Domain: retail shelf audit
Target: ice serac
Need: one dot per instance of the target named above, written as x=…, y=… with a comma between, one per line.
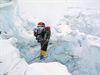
x=49, y=11
x=12, y=64
x=85, y=6
x=4, y=3
x=6, y=17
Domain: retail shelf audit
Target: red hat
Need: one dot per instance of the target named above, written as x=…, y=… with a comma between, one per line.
x=41, y=24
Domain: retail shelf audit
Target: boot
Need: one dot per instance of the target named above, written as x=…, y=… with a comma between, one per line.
x=43, y=54
x=41, y=57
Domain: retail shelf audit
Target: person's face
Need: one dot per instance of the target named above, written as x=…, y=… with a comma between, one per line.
x=40, y=29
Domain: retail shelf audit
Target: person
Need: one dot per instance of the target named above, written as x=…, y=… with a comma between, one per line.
x=42, y=34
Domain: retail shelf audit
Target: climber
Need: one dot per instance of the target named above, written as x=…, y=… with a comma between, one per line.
x=42, y=34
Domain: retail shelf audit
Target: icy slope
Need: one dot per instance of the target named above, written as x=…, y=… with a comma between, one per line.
x=72, y=48
x=12, y=64
x=88, y=24
x=79, y=51
x=11, y=25
x=71, y=42
x=49, y=11
x=10, y=59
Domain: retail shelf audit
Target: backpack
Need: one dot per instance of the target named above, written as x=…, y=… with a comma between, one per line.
x=48, y=30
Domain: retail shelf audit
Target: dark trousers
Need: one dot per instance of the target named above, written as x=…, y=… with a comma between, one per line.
x=44, y=45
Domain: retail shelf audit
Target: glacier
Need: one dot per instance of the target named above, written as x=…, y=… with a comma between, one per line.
x=75, y=40
x=12, y=64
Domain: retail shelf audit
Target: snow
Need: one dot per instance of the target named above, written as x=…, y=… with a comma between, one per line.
x=5, y=4
x=44, y=69
x=12, y=64
x=84, y=6
x=63, y=30
x=94, y=4
x=75, y=39
x=41, y=7
x=10, y=57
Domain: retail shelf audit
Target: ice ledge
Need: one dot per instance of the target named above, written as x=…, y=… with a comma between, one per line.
x=6, y=4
